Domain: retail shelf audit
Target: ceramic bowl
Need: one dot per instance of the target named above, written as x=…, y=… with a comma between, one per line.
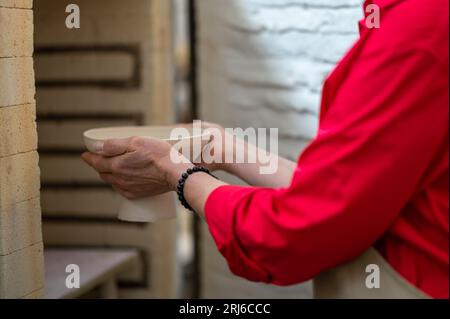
x=151, y=209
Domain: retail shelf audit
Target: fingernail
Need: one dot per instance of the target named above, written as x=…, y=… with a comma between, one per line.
x=98, y=147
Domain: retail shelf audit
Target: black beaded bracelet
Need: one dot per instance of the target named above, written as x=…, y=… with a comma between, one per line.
x=182, y=181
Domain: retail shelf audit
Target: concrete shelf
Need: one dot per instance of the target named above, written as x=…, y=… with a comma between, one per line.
x=98, y=269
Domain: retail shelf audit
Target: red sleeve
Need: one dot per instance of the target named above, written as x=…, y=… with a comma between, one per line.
x=374, y=144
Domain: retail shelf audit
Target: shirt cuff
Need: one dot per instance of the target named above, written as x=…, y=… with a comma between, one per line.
x=222, y=208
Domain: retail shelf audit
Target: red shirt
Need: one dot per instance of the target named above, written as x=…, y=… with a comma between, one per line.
x=376, y=174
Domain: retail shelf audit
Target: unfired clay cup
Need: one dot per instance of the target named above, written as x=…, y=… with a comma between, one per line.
x=151, y=209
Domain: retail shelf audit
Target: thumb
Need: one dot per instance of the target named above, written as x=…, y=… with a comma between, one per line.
x=112, y=147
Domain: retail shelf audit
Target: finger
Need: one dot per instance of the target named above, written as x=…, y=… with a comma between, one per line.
x=85, y=157
x=99, y=163
x=123, y=192
x=109, y=178
x=88, y=158
x=112, y=147
x=120, y=182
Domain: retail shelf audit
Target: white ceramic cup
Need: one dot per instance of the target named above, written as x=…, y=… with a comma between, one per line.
x=151, y=209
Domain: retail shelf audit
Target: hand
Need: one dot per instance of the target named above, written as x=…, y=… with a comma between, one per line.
x=136, y=167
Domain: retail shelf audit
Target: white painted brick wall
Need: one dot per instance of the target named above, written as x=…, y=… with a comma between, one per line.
x=262, y=64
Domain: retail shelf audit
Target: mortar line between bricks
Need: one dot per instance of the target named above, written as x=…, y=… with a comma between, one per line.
x=16, y=105
x=19, y=153
x=16, y=8
x=15, y=57
x=32, y=292
x=26, y=247
x=22, y=201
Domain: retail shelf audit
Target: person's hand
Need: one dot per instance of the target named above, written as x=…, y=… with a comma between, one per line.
x=136, y=167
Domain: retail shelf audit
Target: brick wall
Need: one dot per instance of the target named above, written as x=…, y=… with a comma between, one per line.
x=115, y=70
x=21, y=258
x=262, y=64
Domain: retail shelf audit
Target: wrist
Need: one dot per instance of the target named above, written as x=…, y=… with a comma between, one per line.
x=176, y=173
x=173, y=171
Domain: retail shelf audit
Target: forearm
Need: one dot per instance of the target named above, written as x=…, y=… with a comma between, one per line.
x=197, y=187
x=252, y=172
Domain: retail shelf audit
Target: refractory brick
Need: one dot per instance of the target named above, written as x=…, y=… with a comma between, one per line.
x=17, y=81
x=19, y=179
x=16, y=36
x=68, y=134
x=86, y=66
x=21, y=273
x=91, y=203
x=23, y=4
x=69, y=169
x=20, y=226
x=17, y=129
